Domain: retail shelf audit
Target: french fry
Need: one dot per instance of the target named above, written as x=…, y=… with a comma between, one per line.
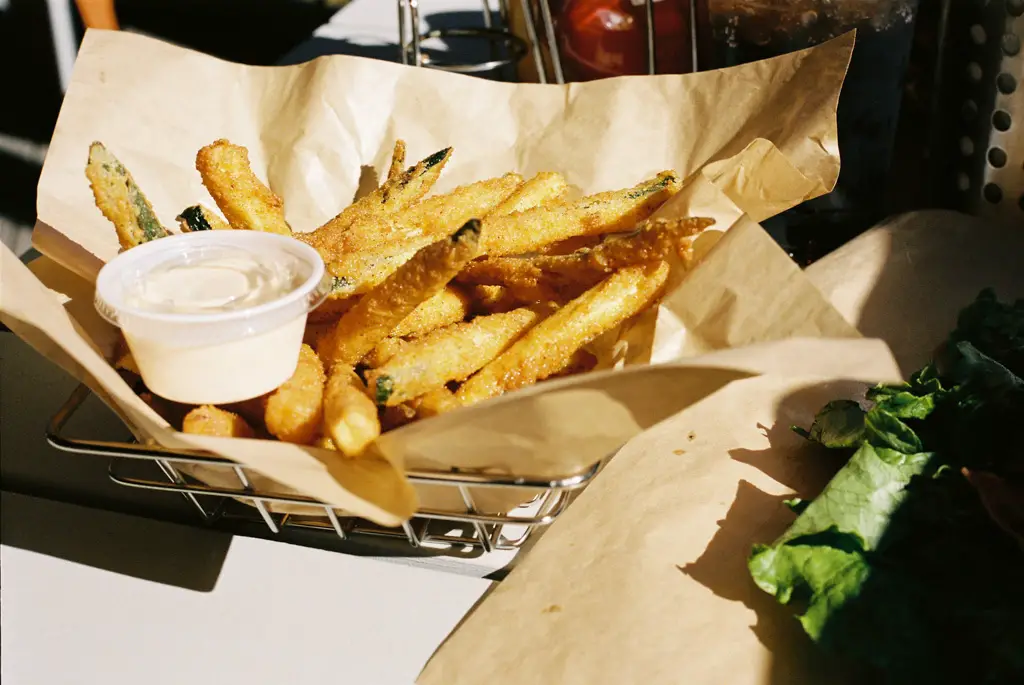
x=397, y=161
x=610, y=212
x=548, y=347
x=200, y=218
x=430, y=218
x=451, y=305
x=294, y=411
x=434, y=403
x=120, y=200
x=211, y=420
x=331, y=308
x=554, y=277
x=245, y=201
x=396, y=416
x=350, y=417
x=544, y=187
x=494, y=299
x=324, y=442
x=384, y=351
x=394, y=195
x=379, y=311
x=448, y=354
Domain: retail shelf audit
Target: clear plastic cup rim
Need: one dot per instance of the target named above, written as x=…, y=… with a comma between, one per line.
x=111, y=303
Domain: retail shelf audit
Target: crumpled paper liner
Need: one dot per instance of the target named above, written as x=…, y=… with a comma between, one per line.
x=750, y=141
x=644, y=579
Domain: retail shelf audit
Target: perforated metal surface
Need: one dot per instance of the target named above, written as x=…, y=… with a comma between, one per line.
x=985, y=39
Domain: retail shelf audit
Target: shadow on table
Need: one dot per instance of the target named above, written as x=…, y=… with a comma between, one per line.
x=171, y=554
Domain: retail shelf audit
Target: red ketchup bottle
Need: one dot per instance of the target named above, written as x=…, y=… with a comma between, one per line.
x=602, y=38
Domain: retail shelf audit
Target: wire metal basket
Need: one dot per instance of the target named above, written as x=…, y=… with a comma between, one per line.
x=437, y=528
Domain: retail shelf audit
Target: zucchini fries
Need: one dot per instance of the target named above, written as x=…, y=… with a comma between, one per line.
x=439, y=300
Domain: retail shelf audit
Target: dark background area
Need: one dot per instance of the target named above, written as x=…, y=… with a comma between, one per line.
x=249, y=31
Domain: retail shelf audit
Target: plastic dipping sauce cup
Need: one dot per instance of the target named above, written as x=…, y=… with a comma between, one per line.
x=213, y=317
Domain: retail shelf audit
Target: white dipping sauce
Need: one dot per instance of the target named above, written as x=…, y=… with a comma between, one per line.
x=213, y=317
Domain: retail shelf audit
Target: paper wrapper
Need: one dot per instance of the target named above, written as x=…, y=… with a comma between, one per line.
x=751, y=141
x=644, y=579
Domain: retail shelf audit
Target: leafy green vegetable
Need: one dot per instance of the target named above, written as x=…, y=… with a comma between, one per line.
x=897, y=564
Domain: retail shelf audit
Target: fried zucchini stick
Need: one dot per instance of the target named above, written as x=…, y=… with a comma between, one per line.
x=294, y=411
x=545, y=277
x=384, y=351
x=431, y=218
x=245, y=201
x=120, y=200
x=350, y=417
x=544, y=187
x=211, y=420
x=435, y=402
x=379, y=311
x=448, y=354
x=394, y=195
x=451, y=305
x=200, y=218
x=397, y=161
x=550, y=346
x=610, y=212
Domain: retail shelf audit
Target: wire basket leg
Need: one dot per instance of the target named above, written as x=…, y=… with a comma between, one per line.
x=260, y=506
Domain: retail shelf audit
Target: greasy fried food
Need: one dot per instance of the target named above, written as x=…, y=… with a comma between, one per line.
x=394, y=195
x=295, y=410
x=200, y=218
x=451, y=305
x=246, y=202
x=119, y=198
x=548, y=347
x=384, y=351
x=554, y=277
x=359, y=272
x=610, y=212
x=397, y=161
x=448, y=354
x=380, y=310
x=211, y=420
x=350, y=417
x=494, y=299
x=396, y=416
x=331, y=308
x=544, y=187
x=437, y=401
x=431, y=218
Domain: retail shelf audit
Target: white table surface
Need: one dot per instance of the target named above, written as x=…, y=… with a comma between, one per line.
x=278, y=614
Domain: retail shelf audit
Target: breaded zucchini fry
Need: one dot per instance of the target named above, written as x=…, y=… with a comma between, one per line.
x=430, y=218
x=332, y=308
x=119, y=198
x=548, y=347
x=610, y=212
x=359, y=272
x=397, y=161
x=435, y=402
x=451, y=305
x=200, y=218
x=379, y=311
x=245, y=201
x=566, y=276
x=448, y=354
x=384, y=351
x=544, y=187
x=350, y=417
x=396, y=416
x=211, y=420
x=394, y=195
x=295, y=410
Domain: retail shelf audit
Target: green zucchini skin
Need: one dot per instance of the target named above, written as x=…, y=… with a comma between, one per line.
x=192, y=219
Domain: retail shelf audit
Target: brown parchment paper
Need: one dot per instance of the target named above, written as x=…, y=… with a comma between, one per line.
x=750, y=141
x=644, y=578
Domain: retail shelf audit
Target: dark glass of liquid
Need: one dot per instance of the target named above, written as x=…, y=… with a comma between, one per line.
x=732, y=32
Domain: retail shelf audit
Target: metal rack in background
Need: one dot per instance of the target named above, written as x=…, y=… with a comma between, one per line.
x=540, y=32
x=431, y=528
